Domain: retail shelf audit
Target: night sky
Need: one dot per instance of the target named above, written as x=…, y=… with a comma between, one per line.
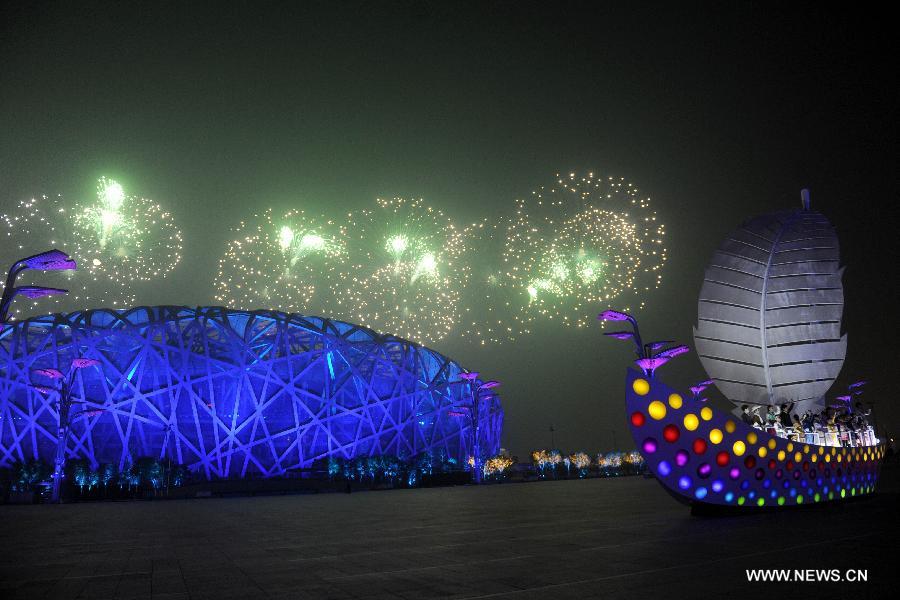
x=719, y=112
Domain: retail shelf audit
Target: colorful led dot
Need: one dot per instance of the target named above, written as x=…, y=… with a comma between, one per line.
x=780, y=500
x=699, y=446
x=816, y=498
x=771, y=443
x=781, y=455
x=664, y=468
x=800, y=499
x=681, y=458
x=798, y=457
x=790, y=447
x=657, y=410
x=738, y=448
x=641, y=387
x=762, y=451
x=729, y=497
x=637, y=419
x=691, y=422
x=741, y=501
x=675, y=401
x=650, y=445
x=700, y=493
x=722, y=458
x=734, y=473
x=730, y=426
x=752, y=437
x=715, y=436
x=717, y=486
x=706, y=413
x=761, y=501
x=805, y=449
x=684, y=482
x=671, y=433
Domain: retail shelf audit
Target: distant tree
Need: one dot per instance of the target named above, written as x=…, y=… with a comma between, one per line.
x=582, y=463
x=108, y=474
x=28, y=474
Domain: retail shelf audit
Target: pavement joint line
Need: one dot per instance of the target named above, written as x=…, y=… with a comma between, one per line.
x=671, y=568
x=431, y=568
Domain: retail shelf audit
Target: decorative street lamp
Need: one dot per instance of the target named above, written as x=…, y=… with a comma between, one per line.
x=52, y=260
x=697, y=389
x=478, y=394
x=63, y=389
x=648, y=359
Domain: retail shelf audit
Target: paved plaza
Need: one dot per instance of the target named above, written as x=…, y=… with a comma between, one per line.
x=609, y=538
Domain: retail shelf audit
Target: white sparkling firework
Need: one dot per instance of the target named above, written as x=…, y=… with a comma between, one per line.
x=579, y=244
x=292, y=262
x=116, y=240
x=489, y=298
x=406, y=273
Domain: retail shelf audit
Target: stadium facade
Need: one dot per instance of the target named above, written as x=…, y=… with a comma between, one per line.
x=232, y=393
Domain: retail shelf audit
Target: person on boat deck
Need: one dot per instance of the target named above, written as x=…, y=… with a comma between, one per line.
x=771, y=418
x=831, y=437
x=797, y=427
x=750, y=416
x=809, y=426
x=784, y=415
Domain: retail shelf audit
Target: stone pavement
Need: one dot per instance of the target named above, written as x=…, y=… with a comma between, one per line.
x=609, y=538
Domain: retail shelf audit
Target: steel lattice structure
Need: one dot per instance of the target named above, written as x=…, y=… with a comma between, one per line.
x=232, y=393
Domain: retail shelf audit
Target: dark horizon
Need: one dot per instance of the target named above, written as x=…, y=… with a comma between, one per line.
x=719, y=113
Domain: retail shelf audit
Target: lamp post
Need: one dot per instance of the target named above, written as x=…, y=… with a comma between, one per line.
x=63, y=390
x=650, y=356
x=52, y=260
x=477, y=394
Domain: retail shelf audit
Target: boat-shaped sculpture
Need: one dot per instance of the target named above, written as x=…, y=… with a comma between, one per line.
x=769, y=336
x=703, y=455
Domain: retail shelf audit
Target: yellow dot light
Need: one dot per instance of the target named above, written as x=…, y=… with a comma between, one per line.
x=706, y=413
x=657, y=410
x=752, y=437
x=730, y=426
x=715, y=436
x=641, y=387
x=781, y=455
x=675, y=401
x=762, y=451
x=738, y=448
x=771, y=444
x=691, y=422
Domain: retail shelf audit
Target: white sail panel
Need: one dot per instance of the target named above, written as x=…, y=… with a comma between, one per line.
x=770, y=308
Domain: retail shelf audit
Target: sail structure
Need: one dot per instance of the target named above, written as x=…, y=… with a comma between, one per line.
x=769, y=313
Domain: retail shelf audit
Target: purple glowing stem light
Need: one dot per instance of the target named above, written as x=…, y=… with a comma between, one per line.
x=50, y=373
x=82, y=363
x=614, y=315
x=620, y=335
x=38, y=291
x=52, y=260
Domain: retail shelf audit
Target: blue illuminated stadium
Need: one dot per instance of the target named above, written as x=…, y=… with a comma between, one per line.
x=232, y=393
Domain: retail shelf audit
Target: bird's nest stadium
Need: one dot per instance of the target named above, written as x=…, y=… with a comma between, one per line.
x=232, y=393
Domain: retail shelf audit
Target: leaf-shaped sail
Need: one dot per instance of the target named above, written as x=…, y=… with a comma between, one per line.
x=769, y=313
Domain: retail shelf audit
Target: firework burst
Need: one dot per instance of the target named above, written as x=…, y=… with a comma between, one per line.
x=406, y=272
x=117, y=240
x=579, y=244
x=291, y=262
